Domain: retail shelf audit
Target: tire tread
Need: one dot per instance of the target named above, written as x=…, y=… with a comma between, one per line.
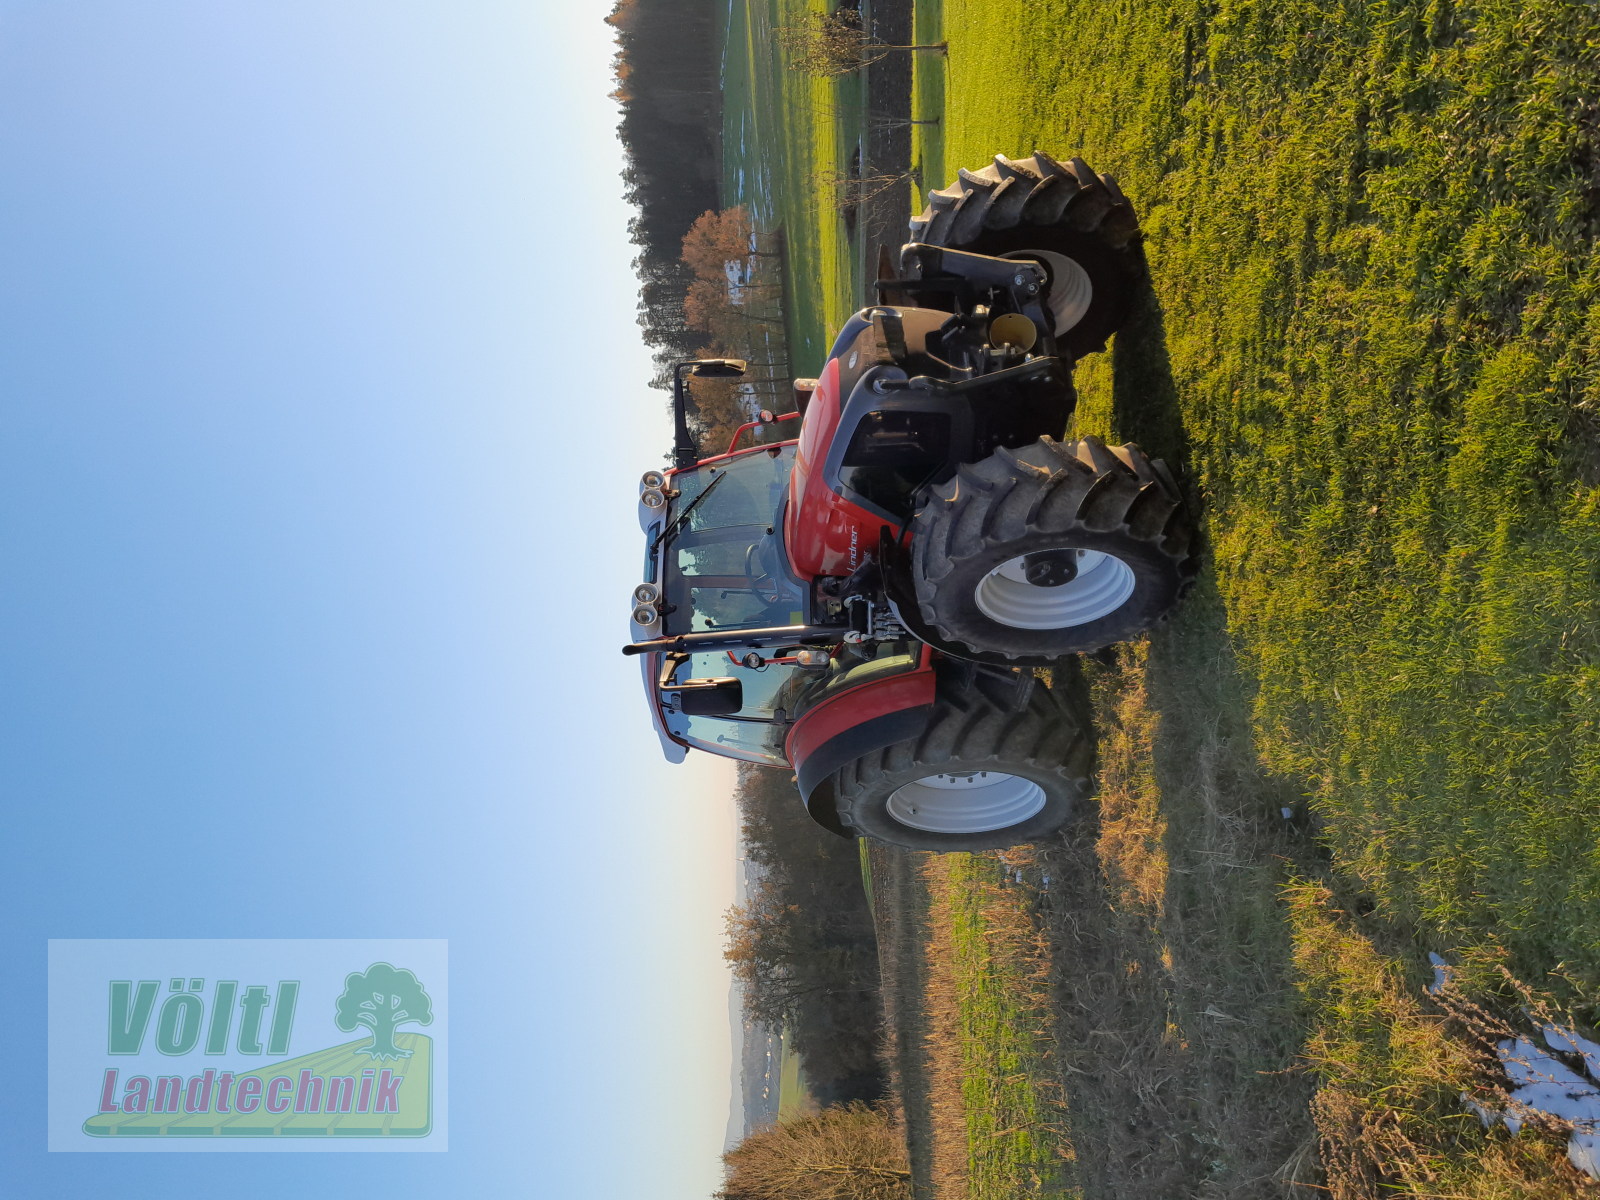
x=1043, y=734
x=1065, y=203
x=1048, y=488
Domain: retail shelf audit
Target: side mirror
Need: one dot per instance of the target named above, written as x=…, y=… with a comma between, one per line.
x=707, y=697
x=698, y=697
x=719, y=368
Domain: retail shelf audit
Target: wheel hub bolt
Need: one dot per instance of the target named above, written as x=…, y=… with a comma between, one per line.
x=1050, y=568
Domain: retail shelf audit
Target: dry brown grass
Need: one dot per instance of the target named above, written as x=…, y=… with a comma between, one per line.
x=1176, y=1011
x=900, y=911
x=941, y=1042
x=1131, y=845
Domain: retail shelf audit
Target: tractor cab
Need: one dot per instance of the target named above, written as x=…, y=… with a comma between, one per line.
x=715, y=567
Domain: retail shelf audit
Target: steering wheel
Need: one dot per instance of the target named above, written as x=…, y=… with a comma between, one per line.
x=754, y=575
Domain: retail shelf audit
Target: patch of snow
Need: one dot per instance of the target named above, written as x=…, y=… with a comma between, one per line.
x=1545, y=1085
x=1441, y=974
x=1485, y=1114
x=1565, y=1039
x=1583, y=1152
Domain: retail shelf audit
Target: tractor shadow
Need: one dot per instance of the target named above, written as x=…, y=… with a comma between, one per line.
x=1145, y=406
x=1174, y=998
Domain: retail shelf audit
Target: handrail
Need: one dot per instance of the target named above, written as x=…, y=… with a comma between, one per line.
x=735, y=639
x=789, y=416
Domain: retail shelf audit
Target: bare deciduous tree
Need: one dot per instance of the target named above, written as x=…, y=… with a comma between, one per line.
x=844, y=191
x=832, y=44
x=848, y=1152
x=885, y=121
x=806, y=939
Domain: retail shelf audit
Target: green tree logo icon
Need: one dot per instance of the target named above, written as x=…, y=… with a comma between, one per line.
x=382, y=998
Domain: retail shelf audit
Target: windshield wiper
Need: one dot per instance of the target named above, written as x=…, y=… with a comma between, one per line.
x=664, y=538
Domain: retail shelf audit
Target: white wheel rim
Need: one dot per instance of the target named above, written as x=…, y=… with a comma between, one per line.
x=970, y=802
x=1071, y=291
x=1103, y=584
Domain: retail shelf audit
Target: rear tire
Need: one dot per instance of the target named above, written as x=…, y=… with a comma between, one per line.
x=1002, y=762
x=1015, y=205
x=1117, y=508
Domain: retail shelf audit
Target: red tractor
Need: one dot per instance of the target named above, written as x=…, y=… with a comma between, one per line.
x=865, y=604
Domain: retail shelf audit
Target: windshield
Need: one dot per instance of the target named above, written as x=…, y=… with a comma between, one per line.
x=725, y=568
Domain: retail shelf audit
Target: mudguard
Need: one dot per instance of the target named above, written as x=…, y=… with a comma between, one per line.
x=866, y=707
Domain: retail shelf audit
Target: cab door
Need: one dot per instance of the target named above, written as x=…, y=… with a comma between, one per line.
x=757, y=731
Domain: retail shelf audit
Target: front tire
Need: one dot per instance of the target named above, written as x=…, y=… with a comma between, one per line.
x=1052, y=549
x=1077, y=223
x=1003, y=761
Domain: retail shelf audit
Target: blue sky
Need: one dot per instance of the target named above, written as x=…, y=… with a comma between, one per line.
x=322, y=407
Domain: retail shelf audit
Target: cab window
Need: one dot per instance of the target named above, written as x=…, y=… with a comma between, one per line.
x=754, y=733
x=726, y=569
x=751, y=741
x=731, y=578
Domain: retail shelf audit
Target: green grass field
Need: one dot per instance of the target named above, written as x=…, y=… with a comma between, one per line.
x=794, y=1098
x=1017, y=1132
x=1372, y=341
x=1371, y=232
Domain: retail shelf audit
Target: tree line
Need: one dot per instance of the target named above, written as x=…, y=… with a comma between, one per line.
x=669, y=85
x=803, y=942
x=710, y=283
